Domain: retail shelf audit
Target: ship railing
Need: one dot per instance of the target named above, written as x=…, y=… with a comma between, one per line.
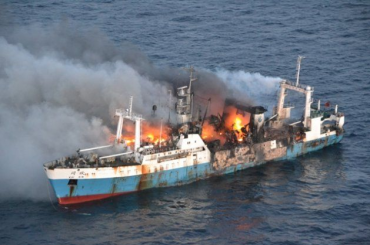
x=173, y=156
x=63, y=162
x=158, y=150
x=179, y=154
x=168, y=150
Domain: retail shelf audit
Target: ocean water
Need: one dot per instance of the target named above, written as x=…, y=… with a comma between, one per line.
x=320, y=198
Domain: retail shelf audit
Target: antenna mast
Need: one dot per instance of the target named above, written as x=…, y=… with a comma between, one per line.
x=130, y=107
x=299, y=60
x=192, y=79
x=185, y=101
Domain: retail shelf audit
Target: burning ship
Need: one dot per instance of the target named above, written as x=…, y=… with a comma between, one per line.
x=198, y=147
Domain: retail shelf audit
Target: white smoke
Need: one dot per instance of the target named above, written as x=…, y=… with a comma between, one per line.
x=32, y=136
x=257, y=88
x=47, y=108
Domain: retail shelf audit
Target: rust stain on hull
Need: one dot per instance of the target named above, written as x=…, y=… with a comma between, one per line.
x=71, y=190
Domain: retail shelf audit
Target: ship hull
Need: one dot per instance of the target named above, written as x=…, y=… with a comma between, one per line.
x=101, y=188
x=94, y=188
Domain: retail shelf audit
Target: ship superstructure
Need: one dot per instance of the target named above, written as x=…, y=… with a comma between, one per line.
x=242, y=137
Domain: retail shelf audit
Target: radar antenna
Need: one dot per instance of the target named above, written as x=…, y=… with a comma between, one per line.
x=185, y=101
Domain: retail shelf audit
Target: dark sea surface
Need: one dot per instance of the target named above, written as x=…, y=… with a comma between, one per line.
x=320, y=198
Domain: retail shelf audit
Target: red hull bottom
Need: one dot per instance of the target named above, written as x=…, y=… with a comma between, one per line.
x=90, y=198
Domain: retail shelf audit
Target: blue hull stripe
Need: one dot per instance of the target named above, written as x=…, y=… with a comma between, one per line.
x=86, y=187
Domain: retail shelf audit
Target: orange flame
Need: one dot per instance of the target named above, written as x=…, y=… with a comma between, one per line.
x=238, y=124
x=234, y=120
x=150, y=132
x=150, y=137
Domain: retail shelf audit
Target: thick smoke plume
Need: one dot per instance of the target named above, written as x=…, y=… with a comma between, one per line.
x=260, y=90
x=59, y=90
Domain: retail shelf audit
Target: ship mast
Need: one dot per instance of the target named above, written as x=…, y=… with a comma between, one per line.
x=284, y=112
x=299, y=60
x=184, y=107
x=169, y=105
x=128, y=114
x=192, y=79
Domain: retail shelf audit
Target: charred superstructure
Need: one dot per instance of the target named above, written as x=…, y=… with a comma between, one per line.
x=198, y=147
